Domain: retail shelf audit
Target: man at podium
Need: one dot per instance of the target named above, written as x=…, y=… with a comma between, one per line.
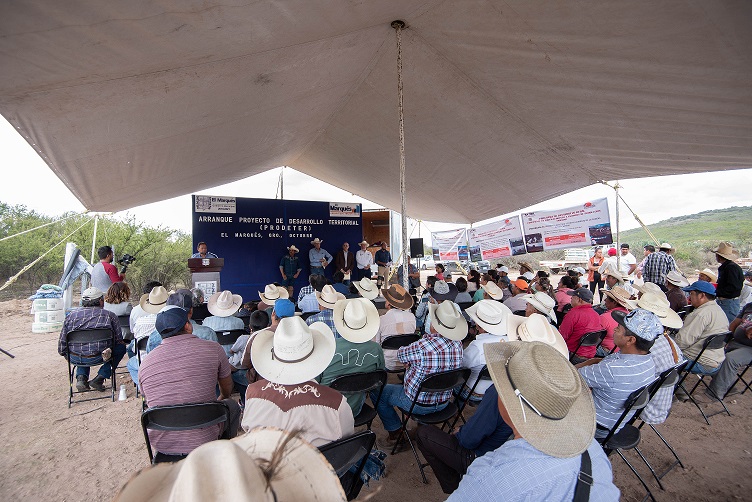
x=203, y=251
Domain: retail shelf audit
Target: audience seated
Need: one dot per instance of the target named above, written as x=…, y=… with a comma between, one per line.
x=326, y=299
x=615, y=299
x=117, y=299
x=222, y=307
x=566, y=284
x=581, y=319
x=462, y=295
x=540, y=303
x=517, y=301
x=137, y=311
x=674, y=284
x=421, y=312
x=738, y=353
x=398, y=320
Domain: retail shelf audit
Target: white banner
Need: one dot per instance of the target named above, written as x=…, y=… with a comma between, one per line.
x=586, y=225
x=450, y=245
x=496, y=240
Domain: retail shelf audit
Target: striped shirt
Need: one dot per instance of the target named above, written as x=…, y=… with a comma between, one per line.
x=613, y=380
x=657, y=409
x=431, y=354
x=183, y=369
x=88, y=318
x=656, y=266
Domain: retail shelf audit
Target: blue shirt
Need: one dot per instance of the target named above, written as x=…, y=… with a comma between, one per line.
x=209, y=254
x=485, y=430
x=341, y=288
x=327, y=317
x=316, y=255
x=382, y=255
x=517, y=471
x=224, y=324
x=308, y=303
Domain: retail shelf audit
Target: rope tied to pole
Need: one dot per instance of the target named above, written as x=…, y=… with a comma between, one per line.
x=398, y=27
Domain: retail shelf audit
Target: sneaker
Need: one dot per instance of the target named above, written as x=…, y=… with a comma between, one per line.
x=681, y=395
x=82, y=383
x=97, y=383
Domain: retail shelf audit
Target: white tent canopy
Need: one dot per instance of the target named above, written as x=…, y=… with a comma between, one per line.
x=506, y=103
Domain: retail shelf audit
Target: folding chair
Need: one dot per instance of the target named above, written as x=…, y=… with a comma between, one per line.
x=362, y=383
x=183, y=417
x=667, y=379
x=628, y=437
x=717, y=341
x=230, y=337
x=345, y=453
x=125, y=327
x=740, y=378
x=592, y=339
x=396, y=342
x=685, y=311
x=88, y=336
x=140, y=346
x=482, y=375
x=465, y=305
x=306, y=315
x=438, y=382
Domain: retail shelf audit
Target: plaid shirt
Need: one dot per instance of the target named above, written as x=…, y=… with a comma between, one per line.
x=656, y=266
x=305, y=290
x=88, y=318
x=327, y=317
x=431, y=354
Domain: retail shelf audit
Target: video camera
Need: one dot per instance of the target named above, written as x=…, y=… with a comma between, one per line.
x=126, y=260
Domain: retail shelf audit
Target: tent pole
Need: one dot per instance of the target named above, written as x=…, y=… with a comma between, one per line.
x=94, y=238
x=618, y=236
x=398, y=27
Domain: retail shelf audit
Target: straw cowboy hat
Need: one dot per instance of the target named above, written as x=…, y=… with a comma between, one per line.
x=619, y=295
x=726, y=250
x=239, y=470
x=537, y=329
x=367, y=288
x=363, y=242
x=675, y=278
x=490, y=315
x=524, y=264
x=294, y=353
x=273, y=293
x=546, y=399
x=293, y=248
x=356, y=319
x=493, y=290
x=155, y=300
x=658, y=305
x=665, y=245
x=447, y=321
x=706, y=271
x=328, y=296
x=443, y=290
x=317, y=241
x=615, y=274
x=224, y=304
x=542, y=303
x=649, y=287
x=398, y=297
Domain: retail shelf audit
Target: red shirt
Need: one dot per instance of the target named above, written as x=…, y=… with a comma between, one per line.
x=578, y=321
x=112, y=272
x=609, y=324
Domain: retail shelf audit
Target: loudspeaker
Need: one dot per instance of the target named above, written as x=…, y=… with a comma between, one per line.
x=416, y=248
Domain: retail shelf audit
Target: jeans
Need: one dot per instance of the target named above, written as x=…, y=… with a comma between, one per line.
x=446, y=456
x=317, y=270
x=105, y=371
x=737, y=357
x=394, y=395
x=132, y=366
x=240, y=383
x=730, y=307
x=699, y=369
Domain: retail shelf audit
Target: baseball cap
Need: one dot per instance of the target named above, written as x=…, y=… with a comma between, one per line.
x=612, y=251
x=640, y=322
x=748, y=273
x=182, y=298
x=170, y=320
x=502, y=268
x=91, y=294
x=580, y=270
x=284, y=308
x=702, y=286
x=582, y=293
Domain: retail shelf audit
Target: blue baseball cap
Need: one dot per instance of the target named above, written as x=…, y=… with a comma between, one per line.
x=284, y=308
x=170, y=320
x=639, y=322
x=701, y=286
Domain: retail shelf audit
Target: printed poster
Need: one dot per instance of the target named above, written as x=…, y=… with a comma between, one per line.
x=496, y=240
x=450, y=245
x=586, y=225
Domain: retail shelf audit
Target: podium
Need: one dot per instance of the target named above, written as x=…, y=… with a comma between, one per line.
x=205, y=274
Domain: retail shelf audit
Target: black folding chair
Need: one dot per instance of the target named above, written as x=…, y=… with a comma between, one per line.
x=125, y=327
x=667, y=379
x=306, y=315
x=345, y=453
x=396, y=342
x=685, y=311
x=740, y=378
x=140, y=346
x=200, y=313
x=438, y=382
x=465, y=305
x=519, y=313
x=482, y=375
x=230, y=337
x=628, y=437
x=183, y=417
x=712, y=342
x=592, y=339
x=89, y=336
x=362, y=383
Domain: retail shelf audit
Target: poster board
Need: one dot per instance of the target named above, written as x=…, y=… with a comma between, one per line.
x=496, y=240
x=588, y=224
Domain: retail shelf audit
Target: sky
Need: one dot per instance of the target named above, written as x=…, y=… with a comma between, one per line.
x=30, y=182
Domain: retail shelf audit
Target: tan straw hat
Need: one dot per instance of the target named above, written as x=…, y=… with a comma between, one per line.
x=317, y=241
x=526, y=265
x=665, y=245
x=328, y=296
x=239, y=470
x=537, y=329
x=649, y=287
x=726, y=250
x=546, y=399
x=273, y=293
x=447, y=321
x=363, y=242
x=356, y=319
x=619, y=295
x=294, y=353
x=155, y=301
x=615, y=274
x=660, y=306
x=542, y=303
x=367, y=288
x=398, y=297
x=493, y=290
x=675, y=278
x=224, y=304
x=490, y=315
x=706, y=271
x=293, y=248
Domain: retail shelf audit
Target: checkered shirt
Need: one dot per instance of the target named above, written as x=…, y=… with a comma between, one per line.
x=657, y=409
x=657, y=265
x=305, y=290
x=431, y=354
x=327, y=317
x=88, y=318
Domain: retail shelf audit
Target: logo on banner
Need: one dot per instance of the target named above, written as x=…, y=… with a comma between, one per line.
x=211, y=204
x=589, y=204
x=340, y=210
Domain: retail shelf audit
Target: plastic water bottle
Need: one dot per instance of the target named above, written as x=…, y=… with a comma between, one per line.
x=123, y=396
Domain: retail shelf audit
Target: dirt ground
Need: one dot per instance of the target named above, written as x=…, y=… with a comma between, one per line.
x=87, y=452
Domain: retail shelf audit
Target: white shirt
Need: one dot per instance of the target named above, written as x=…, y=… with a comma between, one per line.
x=746, y=296
x=474, y=358
x=609, y=262
x=626, y=261
x=364, y=259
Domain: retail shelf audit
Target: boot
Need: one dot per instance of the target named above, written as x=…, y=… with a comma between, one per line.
x=97, y=383
x=82, y=383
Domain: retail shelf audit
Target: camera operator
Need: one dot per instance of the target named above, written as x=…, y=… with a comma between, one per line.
x=105, y=273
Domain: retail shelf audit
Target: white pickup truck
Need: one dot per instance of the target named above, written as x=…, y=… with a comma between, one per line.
x=572, y=258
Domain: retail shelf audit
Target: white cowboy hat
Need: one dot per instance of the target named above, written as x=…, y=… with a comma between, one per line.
x=317, y=241
x=726, y=250
x=235, y=470
x=706, y=271
x=328, y=296
x=155, y=300
x=367, y=288
x=493, y=290
x=447, y=321
x=665, y=245
x=537, y=329
x=293, y=248
x=649, y=287
x=542, y=303
x=547, y=400
x=615, y=274
x=224, y=304
x=490, y=315
x=356, y=320
x=294, y=353
x=675, y=278
x=363, y=242
x=528, y=276
x=619, y=295
x=660, y=306
x=273, y=293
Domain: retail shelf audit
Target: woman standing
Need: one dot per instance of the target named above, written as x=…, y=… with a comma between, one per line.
x=594, y=277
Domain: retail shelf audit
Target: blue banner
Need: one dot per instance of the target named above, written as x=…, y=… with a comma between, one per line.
x=252, y=235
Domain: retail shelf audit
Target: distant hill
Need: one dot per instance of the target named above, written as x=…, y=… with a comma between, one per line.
x=695, y=235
